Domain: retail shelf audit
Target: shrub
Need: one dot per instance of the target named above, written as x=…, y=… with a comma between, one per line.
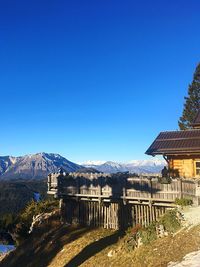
x=170, y=221
x=7, y=222
x=24, y=220
x=34, y=208
x=132, y=235
x=164, y=180
x=183, y=202
x=148, y=234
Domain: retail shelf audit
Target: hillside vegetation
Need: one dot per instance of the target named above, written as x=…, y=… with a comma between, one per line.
x=73, y=246
x=58, y=245
x=14, y=195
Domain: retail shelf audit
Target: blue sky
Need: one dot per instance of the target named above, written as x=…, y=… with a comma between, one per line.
x=94, y=79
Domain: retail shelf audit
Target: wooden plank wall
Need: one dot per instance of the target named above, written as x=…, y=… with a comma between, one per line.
x=185, y=165
x=136, y=188
x=110, y=215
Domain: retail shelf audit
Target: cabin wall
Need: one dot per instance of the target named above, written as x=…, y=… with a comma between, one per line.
x=184, y=166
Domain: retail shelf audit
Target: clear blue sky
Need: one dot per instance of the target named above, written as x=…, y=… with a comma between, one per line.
x=94, y=79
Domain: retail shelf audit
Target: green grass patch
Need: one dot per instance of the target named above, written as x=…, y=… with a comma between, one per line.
x=183, y=202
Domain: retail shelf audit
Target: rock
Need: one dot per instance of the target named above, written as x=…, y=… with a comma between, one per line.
x=161, y=231
x=111, y=253
x=139, y=242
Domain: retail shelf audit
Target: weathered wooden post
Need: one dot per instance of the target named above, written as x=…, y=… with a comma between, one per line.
x=151, y=187
x=62, y=210
x=181, y=189
x=150, y=216
x=124, y=195
x=49, y=182
x=197, y=193
x=99, y=190
x=78, y=185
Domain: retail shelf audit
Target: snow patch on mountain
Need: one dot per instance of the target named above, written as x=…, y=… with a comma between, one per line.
x=92, y=162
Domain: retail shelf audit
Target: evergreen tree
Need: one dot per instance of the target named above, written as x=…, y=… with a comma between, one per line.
x=192, y=102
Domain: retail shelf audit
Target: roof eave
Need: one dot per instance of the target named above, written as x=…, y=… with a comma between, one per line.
x=173, y=153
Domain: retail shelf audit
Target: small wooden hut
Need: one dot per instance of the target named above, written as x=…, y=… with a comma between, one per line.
x=181, y=150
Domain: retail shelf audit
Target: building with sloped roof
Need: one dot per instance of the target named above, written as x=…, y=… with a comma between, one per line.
x=181, y=150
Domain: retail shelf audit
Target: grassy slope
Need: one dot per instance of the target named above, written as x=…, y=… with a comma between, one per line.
x=59, y=245
x=159, y=253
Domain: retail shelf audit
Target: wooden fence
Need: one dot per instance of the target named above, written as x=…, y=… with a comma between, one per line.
x=110, y=215
x=117, y=202
x=126, y=189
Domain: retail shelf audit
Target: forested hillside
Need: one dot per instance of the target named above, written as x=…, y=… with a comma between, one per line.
x=14, y=195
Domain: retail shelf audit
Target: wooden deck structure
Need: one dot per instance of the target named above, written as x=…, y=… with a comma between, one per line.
x=117, y=201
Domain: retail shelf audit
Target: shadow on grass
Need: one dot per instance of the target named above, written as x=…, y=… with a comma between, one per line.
x=94, y=248
x=40, y=250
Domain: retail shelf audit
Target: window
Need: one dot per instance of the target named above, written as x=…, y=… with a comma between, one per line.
x=198, y=168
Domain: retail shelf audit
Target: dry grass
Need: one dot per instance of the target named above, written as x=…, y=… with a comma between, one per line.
x=87, y=246
x=62, y=246
x=158, y=253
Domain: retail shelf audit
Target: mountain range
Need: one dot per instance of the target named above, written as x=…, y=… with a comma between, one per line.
x=134, y=166
x=41, y=164
x=34, y=166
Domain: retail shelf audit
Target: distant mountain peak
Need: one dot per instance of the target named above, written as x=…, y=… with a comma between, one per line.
x=37, y=165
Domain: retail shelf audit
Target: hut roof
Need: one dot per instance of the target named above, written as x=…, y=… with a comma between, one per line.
x=176, y=142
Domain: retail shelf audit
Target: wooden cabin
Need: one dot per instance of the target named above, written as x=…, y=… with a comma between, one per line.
x=181, y=150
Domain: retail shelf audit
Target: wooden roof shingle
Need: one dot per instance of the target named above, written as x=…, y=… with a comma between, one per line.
x=176, y=142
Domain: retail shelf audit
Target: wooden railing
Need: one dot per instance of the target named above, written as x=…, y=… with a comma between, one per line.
x=122, y=188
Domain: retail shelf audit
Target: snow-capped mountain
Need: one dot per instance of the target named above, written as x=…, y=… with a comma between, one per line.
x=134, y=166
x=92, y=162
x=41, y=164
x=34, y=166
